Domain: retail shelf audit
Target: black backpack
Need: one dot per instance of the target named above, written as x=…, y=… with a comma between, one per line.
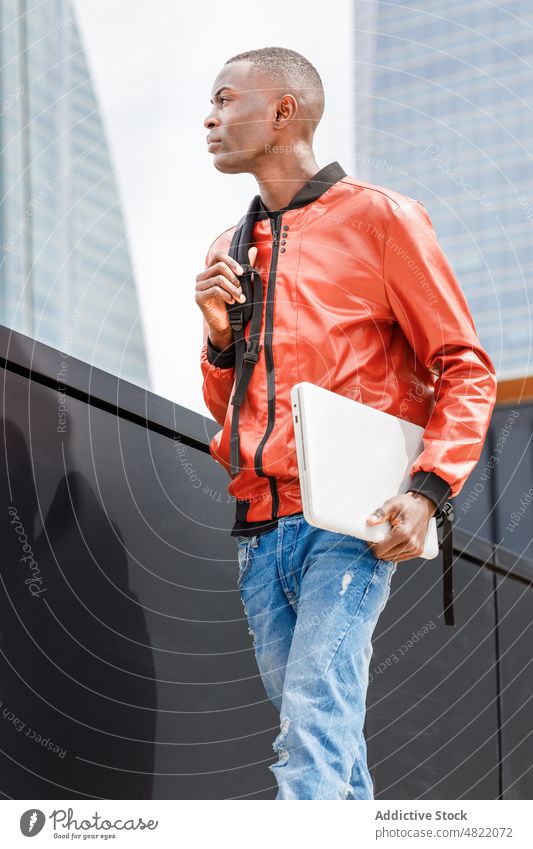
x=246, y=351
x=247, y=354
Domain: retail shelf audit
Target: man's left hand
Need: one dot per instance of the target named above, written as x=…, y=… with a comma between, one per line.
x=409, y=515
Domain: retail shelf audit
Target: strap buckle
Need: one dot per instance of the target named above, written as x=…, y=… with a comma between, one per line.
x=448, y=510
x=251, y=355
x=235, y=318
x=445, y=510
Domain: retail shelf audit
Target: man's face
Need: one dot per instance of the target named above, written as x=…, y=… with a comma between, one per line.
x=243, y=109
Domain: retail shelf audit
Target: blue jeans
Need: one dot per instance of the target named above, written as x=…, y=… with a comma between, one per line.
x=312, y=599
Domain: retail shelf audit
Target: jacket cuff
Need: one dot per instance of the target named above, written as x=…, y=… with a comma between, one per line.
x=432, y=486
x=221, y=358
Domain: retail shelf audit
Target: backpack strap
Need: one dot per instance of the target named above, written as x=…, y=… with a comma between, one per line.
x=246, y=350
x=446, y=515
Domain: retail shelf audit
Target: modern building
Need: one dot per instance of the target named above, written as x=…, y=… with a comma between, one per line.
x=126, y=667
x=66, y=276
x=127, y=670
x=444, y=114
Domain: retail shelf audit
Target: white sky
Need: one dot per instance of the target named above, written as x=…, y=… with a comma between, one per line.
x=153, y=64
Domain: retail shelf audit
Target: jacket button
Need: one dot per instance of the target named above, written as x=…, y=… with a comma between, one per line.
x=285, y=226
x=282, y=251
x=283, y=242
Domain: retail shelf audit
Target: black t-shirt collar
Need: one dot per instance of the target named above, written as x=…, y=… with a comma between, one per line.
x=311, y=191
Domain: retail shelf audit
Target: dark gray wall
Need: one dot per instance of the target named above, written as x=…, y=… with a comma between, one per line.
x=134, y=656
x=496, y=502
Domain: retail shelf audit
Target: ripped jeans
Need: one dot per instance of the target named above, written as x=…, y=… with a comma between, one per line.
x=312, y=599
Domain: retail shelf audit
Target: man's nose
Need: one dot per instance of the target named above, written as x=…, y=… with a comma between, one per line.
x=210, y=122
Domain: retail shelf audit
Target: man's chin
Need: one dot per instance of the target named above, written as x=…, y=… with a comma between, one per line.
x=228, y=163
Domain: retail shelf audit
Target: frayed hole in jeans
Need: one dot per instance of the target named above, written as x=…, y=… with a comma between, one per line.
x=346, y=581
x=277, y=745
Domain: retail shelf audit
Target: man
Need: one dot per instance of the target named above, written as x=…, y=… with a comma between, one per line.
x=359, y=298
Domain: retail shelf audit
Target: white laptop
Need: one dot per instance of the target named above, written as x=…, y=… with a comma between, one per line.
x=351, y=458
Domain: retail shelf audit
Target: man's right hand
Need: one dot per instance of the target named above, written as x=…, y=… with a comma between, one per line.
x=217, y=285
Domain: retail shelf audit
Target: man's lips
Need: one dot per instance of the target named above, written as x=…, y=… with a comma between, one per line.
x=212, y=142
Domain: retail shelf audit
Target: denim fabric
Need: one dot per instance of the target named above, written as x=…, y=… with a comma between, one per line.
x=312, y=599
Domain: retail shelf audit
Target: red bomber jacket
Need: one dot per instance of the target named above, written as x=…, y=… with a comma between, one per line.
x=359, y=299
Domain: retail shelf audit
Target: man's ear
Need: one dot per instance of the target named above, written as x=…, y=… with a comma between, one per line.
x=287, y=105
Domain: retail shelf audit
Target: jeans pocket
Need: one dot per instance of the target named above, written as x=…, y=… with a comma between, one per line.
x=245, y=545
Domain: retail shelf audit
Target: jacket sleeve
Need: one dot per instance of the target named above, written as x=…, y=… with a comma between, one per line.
x=218, y=371
x=432, y=311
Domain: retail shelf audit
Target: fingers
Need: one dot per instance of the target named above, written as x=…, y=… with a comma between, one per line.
x=222, y=285
x=405, y=539
x=399, y=553
x=216, y=287
x=379, y=515
x=220, y=267
x=391, y=509
x=401, y=544
x=395, y=542
x=219, y=280
x=220, y=256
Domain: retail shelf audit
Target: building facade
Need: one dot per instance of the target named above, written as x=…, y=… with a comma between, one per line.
x=444, y=105
x=66, y=276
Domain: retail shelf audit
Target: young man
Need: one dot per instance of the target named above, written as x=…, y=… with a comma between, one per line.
x=358, y=298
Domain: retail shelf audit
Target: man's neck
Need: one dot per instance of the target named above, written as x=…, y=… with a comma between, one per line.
x=283, y=177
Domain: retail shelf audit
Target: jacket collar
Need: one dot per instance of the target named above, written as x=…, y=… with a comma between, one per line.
x=313, y=189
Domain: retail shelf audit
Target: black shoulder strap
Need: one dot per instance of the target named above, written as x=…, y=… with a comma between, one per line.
x=446, y=515
x=246, y=351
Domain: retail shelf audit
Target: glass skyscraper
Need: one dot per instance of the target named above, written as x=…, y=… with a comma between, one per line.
x=65, y=277
x=444, y=114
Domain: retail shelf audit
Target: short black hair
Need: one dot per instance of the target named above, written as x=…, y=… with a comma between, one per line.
x=294, y=71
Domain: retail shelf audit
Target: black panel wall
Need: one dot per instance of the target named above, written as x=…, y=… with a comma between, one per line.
x=432, y=719
x=497, y=500
x=126, y=666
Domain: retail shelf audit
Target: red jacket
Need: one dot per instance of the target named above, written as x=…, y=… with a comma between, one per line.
x=359, y=299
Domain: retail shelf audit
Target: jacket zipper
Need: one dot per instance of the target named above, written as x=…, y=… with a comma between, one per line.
x=269, y=361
